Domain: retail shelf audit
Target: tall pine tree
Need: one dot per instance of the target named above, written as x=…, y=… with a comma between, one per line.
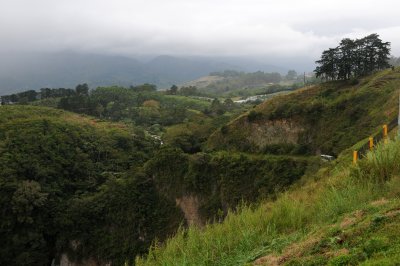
x=353, y=58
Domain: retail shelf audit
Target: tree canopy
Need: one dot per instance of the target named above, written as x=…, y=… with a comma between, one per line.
x=353, y=58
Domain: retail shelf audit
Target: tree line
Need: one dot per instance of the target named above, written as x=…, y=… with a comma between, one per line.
x=353, y=58
x=44, y=93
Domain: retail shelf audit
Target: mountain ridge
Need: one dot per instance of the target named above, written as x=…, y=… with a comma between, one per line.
x=67, y=69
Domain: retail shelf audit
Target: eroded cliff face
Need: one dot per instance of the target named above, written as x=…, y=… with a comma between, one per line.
x=326, y=118
x=269, y=132
x=254, y=136
x=189, y=205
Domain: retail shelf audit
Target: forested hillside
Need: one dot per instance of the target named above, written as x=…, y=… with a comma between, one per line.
x=83, y=189
x=133, y=165
x=70, y=184
x=199, y=133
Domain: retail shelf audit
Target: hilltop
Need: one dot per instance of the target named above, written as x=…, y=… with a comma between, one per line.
x=324, y=118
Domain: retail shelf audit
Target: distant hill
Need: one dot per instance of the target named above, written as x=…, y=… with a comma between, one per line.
x=203, y=82
x=239, y=83
x=67, y=69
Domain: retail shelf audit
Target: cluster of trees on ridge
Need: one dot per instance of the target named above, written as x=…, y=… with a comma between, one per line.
x=45, y=93
x=353, y=58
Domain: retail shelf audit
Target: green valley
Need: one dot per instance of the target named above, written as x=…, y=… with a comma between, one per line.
x=234, y=168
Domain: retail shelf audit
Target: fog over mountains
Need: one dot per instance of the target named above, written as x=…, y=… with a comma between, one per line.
x=61, y=43
x=67, y=69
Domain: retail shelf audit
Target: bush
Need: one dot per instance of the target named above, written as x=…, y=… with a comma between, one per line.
x=380, y=165
x=353, y=81
x=224, y=129
x=374, y=245
x=253, y=116
x=342, y=260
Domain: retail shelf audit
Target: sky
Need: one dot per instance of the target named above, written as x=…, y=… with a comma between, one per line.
x=254, y=28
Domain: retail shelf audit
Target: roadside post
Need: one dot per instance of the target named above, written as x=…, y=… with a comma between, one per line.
x=385, y=133
x=355, y=157
x=371, y=143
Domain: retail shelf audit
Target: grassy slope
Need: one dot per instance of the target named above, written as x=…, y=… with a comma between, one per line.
x=341, y=215
x=18, y=113
x=332, y=116
x=345, y=215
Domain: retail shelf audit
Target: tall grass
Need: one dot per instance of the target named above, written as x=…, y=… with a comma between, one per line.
x=382, y=164
x=272, y=226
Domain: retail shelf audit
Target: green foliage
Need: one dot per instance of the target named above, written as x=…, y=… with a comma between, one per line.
x=375, y=244
x=380, y=165
x=68, y=179
x=224, y=129
x=187, y=91
x=253, y=116
x=342, y=260
x=191, y=135
x=291, y=75
x=22, y=97
x=329, y=117
x=173, y=90
x=144, y=88
x=354, y=58
x=298, y=229
x=222, y=180
x=286, y=148
x=235, y=83
x=73, y=184
x=119, y=103
x=168, y=169
x=121, y=219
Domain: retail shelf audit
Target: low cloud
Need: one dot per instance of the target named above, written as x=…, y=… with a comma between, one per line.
x=185, y=27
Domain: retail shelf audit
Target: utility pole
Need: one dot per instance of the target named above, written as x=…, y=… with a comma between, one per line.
x=304, y=78
x=398, y=119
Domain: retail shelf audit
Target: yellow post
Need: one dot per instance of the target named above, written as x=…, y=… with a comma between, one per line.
x=355, y=157
x=371, y=143
x=385, y=133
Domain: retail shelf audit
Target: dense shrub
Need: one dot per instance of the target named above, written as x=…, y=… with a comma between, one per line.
x=253, y=116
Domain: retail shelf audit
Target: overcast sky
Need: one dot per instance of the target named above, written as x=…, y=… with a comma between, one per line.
x=280, y=28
